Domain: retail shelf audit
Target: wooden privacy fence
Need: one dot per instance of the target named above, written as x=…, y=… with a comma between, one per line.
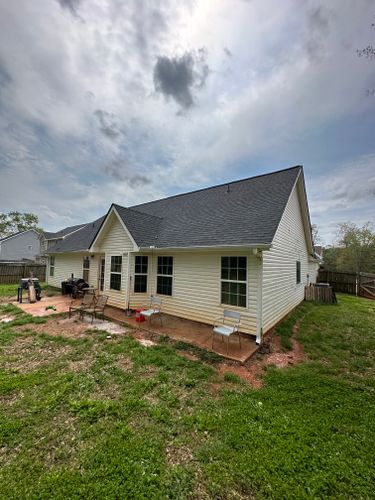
x=362, y=284
x=320, y=294
x=12, y=272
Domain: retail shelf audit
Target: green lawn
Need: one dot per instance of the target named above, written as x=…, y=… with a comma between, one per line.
x=11, y=290
x=100, y=418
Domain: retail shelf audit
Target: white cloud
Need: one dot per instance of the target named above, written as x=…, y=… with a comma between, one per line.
x=345, y=193
x=293, y=70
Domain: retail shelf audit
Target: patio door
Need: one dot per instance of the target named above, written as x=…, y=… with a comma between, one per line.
x=101, y=273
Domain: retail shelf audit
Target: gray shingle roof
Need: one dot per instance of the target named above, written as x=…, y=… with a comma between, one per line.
x=245, y=212
x=63, y=232
x=143, y=227
x=79, y=240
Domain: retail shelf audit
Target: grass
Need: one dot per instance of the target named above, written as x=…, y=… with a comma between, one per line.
x=95, y=418
x=10, y=290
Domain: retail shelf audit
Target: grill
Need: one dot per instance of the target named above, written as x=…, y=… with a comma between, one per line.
x=73, y=286
x=24, y=285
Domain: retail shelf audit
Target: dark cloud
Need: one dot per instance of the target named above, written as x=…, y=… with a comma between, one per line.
x=121, y=171
x=178, y=77
x=107, y=124
x=70, y=5
x=5, y=77
x=318, y=26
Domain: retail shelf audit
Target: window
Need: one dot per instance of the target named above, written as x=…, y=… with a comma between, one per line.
x=298, y=272
x=164, y=276
x=29, y=247
x=86, y=268
x=52, y=266
x=234, y=281
x=140, y=274
x=116, y=265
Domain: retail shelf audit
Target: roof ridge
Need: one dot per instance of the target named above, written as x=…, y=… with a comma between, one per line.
x=217, y=186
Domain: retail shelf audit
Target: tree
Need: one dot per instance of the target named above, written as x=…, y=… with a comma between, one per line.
x=315, y=234
x=14, y=222
x=355, y=250
x=358, y=246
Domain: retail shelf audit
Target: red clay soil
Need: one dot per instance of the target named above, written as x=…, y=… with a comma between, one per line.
x=252, y=371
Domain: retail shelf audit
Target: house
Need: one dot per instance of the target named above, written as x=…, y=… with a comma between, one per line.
x=244, y=245
x=49, y=239
x=24, y=245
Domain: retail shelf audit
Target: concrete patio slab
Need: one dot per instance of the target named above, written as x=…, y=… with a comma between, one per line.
x=179, y=329
x=191, y=332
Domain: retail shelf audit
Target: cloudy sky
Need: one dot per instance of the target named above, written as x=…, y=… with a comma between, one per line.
x=126, y=101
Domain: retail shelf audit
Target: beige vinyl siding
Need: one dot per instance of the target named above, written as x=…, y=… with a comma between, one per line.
x=313, y=271
x=65, y=265
x=281, y=293
x=114, y=241
x=196, y=292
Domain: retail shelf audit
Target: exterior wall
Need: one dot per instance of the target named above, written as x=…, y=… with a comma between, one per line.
x=114, y=241
x=313, y=268
x=281, y=293
x=67, y=264
x=17, y=248
x=196, y=289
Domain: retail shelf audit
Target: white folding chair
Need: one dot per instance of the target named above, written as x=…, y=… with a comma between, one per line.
x=154, y=308
x=227, y=325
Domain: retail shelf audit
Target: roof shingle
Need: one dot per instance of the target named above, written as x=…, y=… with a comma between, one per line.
x=244, y=212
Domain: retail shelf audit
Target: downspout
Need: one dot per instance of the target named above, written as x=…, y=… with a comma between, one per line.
x=128, y=285
x=259, y=327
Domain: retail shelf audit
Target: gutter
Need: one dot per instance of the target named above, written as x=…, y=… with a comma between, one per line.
x=260, y=246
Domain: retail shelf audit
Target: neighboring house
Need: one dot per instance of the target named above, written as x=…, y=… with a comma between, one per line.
x=49, y=239
x=24, y=245
x=244, y=245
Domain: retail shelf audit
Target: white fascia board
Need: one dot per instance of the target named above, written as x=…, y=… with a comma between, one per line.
x=260, y=246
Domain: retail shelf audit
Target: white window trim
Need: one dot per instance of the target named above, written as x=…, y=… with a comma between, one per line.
x=115, y=272
x=300, y=272
x=223, y=304
x=52, y=266
x=141, y=274
x=85, y=259
x=165, y=275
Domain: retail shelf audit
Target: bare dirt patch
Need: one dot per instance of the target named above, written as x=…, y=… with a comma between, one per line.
x=187, y=355
x=147, y=339
x=178, y=455
x=73, y=327
x=271, y=353
x=124, y=363
x=25, y=355
x=81, y=365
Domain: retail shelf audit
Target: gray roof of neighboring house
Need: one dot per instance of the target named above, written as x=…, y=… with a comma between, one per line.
x=244, y=212
x=16, y=234
x=63, y=232
x=78, y=240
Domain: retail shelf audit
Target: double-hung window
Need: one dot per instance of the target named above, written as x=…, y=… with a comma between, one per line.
x=86, y=268
x=164, y=276
x=234, y=281
x=52, y=265
x=298, y=272
x=140, y=274
x=116, y=267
